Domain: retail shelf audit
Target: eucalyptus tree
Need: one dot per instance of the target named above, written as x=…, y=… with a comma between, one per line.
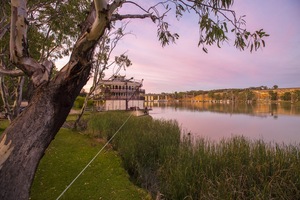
x=49, y=37
x=273, y=95
x=295, y=96
x=23, y=143
x=287, y=96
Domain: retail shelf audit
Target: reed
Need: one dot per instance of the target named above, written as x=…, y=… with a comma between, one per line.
x=235, y=168
x=143, y=143
x=160, y=159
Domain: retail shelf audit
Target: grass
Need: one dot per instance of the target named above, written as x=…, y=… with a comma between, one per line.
x=235, y=168
x=143, y=143
x=162, y=161
x=66, y=156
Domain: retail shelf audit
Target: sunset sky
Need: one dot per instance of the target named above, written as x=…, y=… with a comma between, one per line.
x=183, y=66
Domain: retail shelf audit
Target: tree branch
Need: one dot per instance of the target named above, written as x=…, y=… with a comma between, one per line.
x=13, y=73
x=3, y=29
x=100, y=18
x=116, y=17
x=19, y=54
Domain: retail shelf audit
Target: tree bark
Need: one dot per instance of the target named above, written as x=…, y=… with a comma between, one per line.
x=24, y=142
x=32, y=131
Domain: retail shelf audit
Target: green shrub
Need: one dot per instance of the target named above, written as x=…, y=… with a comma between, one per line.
x=79, y=101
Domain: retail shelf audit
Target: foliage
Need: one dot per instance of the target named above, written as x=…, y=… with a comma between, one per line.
x=217, y=96
x=236, y=95
x=246, y=95
x=273, y=95
x=211, y=94
x=214, y=24
x=80, y=101
x=50, y=33
x=287, y=96
x=50, y=30
x=296, y=96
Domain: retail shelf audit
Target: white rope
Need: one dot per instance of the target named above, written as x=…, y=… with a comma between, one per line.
x=93, y=158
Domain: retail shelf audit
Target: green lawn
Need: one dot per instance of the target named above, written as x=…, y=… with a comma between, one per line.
x=67, y=155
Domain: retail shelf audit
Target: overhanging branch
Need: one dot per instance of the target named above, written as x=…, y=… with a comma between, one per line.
x=116, y=17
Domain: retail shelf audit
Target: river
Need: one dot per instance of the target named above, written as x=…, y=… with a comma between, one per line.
x=278, y=123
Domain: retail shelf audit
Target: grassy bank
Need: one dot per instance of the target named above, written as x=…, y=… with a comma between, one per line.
x=235, y=168
x=67, y=155
x=159, y=160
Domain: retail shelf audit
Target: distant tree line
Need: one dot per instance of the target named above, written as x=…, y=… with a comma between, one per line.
x=238, y=95
x=286, y=96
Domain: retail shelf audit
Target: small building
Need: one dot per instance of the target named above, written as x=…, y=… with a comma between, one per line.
x=119, y=93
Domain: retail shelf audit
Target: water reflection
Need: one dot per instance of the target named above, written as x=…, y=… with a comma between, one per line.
x=271, y=122
x=256, y=109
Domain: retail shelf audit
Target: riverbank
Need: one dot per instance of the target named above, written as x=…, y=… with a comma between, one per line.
x=161, y=160
x=252, y=94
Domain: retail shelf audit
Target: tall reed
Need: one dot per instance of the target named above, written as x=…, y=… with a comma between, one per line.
x=159, y=158
x=143, y=143
x=235, y=168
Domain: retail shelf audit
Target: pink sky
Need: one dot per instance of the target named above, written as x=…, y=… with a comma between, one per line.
x=183, y=66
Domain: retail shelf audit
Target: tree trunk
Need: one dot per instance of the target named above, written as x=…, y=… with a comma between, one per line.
x=26, y=139
x=24, y=142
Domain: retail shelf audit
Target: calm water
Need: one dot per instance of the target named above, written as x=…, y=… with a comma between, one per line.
x=270, y=122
